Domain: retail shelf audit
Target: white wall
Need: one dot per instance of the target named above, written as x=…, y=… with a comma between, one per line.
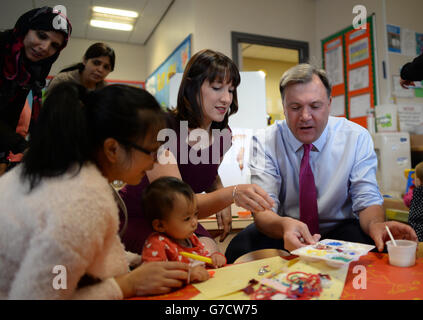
x=177, y=24
x=289, y=19
x=211, y=23
x=130, y=62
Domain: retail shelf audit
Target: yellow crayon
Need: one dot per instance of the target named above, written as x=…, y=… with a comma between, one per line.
x=196, y=257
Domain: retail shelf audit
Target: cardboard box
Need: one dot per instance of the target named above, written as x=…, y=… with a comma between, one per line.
x=416, y=142
x=397, y=204
x=395, y=209
x=397, y=215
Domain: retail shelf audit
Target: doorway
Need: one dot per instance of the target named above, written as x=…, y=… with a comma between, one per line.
x=272, y=56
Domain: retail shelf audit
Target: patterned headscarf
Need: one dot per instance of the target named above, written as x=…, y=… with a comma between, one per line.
x=20, y=71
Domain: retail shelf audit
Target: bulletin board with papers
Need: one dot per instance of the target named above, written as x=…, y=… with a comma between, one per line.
x=348, y=58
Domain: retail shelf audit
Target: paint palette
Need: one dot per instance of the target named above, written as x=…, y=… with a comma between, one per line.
x=335, y=253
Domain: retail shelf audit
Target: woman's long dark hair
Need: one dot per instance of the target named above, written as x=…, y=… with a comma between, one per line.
x=73, y=126
x=96, y=50
x=205, y=65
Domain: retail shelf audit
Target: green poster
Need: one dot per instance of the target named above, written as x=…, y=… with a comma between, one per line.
x=418, y=92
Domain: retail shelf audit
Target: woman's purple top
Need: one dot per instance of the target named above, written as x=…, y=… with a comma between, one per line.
x=200, y=176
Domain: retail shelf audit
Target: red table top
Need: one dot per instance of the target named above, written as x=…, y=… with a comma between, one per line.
x=378, y=280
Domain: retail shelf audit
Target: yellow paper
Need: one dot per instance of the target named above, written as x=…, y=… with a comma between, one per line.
x=228, y=281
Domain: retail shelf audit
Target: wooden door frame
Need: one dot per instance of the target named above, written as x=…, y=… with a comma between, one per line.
x=238, y=37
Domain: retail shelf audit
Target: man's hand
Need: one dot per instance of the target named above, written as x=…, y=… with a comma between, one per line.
x=296, y=234
x=378, y=233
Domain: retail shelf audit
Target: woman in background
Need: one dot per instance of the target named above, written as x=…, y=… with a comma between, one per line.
x=97, y=63
x=27, y=53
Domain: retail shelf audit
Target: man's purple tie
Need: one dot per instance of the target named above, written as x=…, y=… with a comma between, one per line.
x=308, y=194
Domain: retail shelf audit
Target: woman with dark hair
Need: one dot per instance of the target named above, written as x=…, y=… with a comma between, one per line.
x=27, y=53
x=58, y=216
x=207, y=97
x=97, y=63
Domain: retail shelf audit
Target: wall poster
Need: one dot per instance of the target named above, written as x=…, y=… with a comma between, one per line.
x=157, y=83
x=353, y=80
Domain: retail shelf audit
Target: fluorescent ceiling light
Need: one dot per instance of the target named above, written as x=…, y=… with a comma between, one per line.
x=116, y=12
x=111, y=25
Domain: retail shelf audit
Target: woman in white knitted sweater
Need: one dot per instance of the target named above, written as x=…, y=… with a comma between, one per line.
x=58, y=217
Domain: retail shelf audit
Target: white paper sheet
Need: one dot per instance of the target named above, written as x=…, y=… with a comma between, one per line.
x=358, y=78
x=334, y=65
x=338, y=106
x=408, y=42
x=359, y=105
x=410, y=116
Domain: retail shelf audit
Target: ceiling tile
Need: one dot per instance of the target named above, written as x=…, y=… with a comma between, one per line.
x=150, y=17
x=12, y=11
x=79, y=13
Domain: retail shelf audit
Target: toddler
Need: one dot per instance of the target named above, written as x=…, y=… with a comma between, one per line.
x=171, y=206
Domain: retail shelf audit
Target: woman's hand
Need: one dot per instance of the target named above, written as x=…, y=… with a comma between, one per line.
x=153, y=278
x=252, y=197
x=224, y=221
x=406, y=83
x=199, y=274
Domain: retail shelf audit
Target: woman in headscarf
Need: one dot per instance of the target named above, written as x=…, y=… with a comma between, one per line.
x=27, y=53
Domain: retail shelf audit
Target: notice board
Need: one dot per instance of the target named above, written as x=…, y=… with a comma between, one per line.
x=349, y=60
